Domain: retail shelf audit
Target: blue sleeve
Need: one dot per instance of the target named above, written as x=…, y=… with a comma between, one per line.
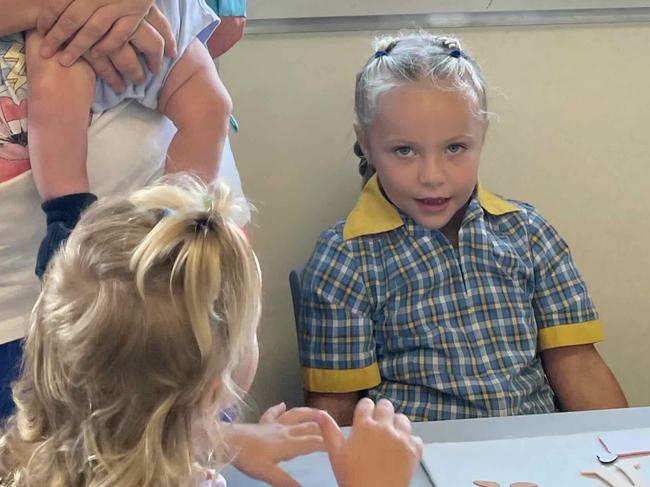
x=336, y=339
x=564, y=312
x=228, y=8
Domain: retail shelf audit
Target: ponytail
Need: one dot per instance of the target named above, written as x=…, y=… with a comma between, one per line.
x=152, y=301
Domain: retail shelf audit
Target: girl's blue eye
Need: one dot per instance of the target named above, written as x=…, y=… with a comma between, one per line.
x=403, y=151
x=455, y=148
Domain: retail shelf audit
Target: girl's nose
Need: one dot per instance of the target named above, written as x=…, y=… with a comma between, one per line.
x=430, y=172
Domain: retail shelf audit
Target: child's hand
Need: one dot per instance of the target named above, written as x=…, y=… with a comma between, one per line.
x=280, y=435
x=379, y=451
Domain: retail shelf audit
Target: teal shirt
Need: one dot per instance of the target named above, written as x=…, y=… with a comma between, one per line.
x=228, y=8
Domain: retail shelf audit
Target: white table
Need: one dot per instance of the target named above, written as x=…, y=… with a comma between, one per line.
x=314, y=470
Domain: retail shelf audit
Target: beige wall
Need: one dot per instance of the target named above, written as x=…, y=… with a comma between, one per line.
x=572, y=137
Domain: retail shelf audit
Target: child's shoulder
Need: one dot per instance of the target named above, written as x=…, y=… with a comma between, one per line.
x=525, y=211
x=333, y=236
x=529, y=216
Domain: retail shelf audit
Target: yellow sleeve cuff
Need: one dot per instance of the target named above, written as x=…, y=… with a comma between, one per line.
x=568, y=335
x=340, y=380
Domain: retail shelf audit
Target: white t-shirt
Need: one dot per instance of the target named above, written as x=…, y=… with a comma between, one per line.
x=126, y=150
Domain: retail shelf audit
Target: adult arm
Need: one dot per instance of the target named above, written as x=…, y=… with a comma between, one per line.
x=568, y=326
x=581, y=379
x=24, y=14
x=340, y=406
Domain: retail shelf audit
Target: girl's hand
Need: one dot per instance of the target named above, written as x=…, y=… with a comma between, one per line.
x=379, y=451
x=279, y=436
x=82, y=23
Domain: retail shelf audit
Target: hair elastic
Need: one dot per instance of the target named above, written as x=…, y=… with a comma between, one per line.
x=457, y=53
x=381, y=53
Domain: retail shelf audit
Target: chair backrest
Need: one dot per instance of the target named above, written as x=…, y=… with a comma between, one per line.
x=295, y=283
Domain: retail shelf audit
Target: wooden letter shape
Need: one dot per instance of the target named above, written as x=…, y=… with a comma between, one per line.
x=608, y=476
x=629, y=470
x=486, y=483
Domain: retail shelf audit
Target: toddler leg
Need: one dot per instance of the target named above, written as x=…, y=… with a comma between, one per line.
x=195, y=99
x=59, y=101
x=59, y=109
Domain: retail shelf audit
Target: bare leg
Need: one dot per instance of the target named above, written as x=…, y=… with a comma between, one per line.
x=59, y=103
x=195, y=99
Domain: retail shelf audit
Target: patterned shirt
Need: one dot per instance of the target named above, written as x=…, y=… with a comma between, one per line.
x=444, y=332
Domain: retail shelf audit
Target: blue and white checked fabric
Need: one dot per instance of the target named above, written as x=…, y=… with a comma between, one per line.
x=392, y=308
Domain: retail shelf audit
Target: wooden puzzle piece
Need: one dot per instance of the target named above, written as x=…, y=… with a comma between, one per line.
x=486, y=483
x=630, y=470
x=523, y=484
x=607, y=458
x=608, y=476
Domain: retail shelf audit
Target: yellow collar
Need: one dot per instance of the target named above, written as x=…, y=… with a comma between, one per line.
x=374, y=214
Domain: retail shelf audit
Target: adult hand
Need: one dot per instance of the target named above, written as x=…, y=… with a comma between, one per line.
x=379, y=451
x=82, y=23
x=153, y=39
x=279, y=436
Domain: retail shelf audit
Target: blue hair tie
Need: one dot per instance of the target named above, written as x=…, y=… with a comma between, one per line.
x=457, y=53
x=381, y=53
x=167, y=212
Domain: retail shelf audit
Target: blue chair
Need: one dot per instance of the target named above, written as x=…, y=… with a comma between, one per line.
x=295, y=283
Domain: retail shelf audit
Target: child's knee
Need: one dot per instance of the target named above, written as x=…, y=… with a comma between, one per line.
x=47, y=78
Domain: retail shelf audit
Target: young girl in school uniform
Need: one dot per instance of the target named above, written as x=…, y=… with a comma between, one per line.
x=146, y=328
x=435, y=293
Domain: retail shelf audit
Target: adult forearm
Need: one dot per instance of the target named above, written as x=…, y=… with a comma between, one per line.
x=581, y=379
x=18, y=15
x=599, y=389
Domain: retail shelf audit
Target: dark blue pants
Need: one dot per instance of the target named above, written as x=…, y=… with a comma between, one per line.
x=10, y=355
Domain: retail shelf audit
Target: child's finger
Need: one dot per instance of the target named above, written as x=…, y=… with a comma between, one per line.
x=299, y=415
x=418, y=444
x=304, y=429
x=363, y=411
x=384, y=411
x=402, y=423
x=273, y=413
x=332, y=436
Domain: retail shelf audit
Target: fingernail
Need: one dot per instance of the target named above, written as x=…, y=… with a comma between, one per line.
x=65, y=59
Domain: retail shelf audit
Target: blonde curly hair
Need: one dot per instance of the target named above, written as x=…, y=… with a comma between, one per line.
x=143, y=317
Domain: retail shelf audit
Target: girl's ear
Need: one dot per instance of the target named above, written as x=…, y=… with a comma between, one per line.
x=361, y=139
